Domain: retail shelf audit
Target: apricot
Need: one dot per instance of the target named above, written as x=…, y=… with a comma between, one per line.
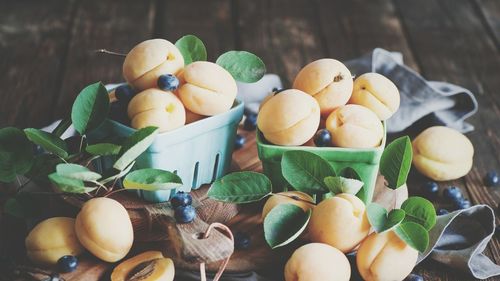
x=286, y=197
x=150, y=59
x=442, y=153
x=289, y=118
x=377, y=93
x=317, y=261
x=340, y=222
x=384, y=257
x=154, y=107
x=355, y=126
x=52, y=239
x=104, y=228
x=328, y=81
x=162, y=268
x=207, y=88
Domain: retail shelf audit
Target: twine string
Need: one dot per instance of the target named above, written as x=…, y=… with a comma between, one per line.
x=224, y=263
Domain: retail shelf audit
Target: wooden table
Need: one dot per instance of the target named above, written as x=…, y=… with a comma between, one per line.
x=46, y=56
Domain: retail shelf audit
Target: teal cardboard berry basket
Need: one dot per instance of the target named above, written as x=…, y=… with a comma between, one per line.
x=199, y=152
x=364, y=161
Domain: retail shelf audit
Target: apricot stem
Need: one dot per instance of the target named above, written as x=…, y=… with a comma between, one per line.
x=104, y=51
x=294, y=197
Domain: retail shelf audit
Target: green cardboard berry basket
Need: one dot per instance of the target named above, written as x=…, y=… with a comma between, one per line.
x=199, y=152
x=364, y=161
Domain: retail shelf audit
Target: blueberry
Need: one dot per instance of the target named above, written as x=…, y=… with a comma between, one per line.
x=430, y=188
x=322, y=138
x=181, y=199
x=67, y=263
x=441, y=212
x=118, y=112
x=241, y=241
x=276, y=91
x=491, y=178
x=452, y=193
x=124, y=93
x=414, y=277
x=75, y=144
x=250, y=123
x=462, y=204
x=497, y=230
x=184, y=214
x=168, y=82
x=239, y=141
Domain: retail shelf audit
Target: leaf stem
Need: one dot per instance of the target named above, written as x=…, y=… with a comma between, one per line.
x=104, y=51
x=114, y=191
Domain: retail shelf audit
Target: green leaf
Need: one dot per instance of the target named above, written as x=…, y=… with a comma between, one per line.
x=134, y=146
x=240, y=187
x=113, y=174
x=192, y=49
x=338, y=185
x=349, y=173
x=377, y=216
x=47, y=141
x=305, y=171
x=382, y=221
x=103, y=149
x=16, y=154
x=413, y=234
x=67, y=184
x=395, y=162
x=151, y=179
x=284, y=223
x=420, y=210
x=78, y=172
x=62, y=127
x=243, y=66
x=90, y=108
x=43, y=165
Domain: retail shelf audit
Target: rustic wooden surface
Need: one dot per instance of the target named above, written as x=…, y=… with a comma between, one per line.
x=46, y=58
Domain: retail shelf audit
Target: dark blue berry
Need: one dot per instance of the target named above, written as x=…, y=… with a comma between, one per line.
x=118, y=112
x=322, y=138
x=184, y=214
x=277, y=90
x=491, y=179
x=441, y=212
x=414, y=277
x=67, y=263
x=168, y=82
x=239, y=141
x=124, y=93
x=181, y=199
x=250, y=123
x=430, y=188
x=75, y=144
x=241, y=241
x=462, y=204
x=497, y=230
x=452, y=193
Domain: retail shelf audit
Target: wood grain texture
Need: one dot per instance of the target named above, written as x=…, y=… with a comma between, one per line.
x=211, y=21
x=452, y=44
x=116, y=25
x=490, y=10
x=33, y=44
x=285, y=34
x=353, y=28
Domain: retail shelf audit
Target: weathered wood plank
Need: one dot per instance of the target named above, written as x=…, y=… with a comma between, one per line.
x=33, y=44
x=211, y=21
x=113, y=25
x=284, y=33
x=353, y=28
x=491, y=13
x=451, y=44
